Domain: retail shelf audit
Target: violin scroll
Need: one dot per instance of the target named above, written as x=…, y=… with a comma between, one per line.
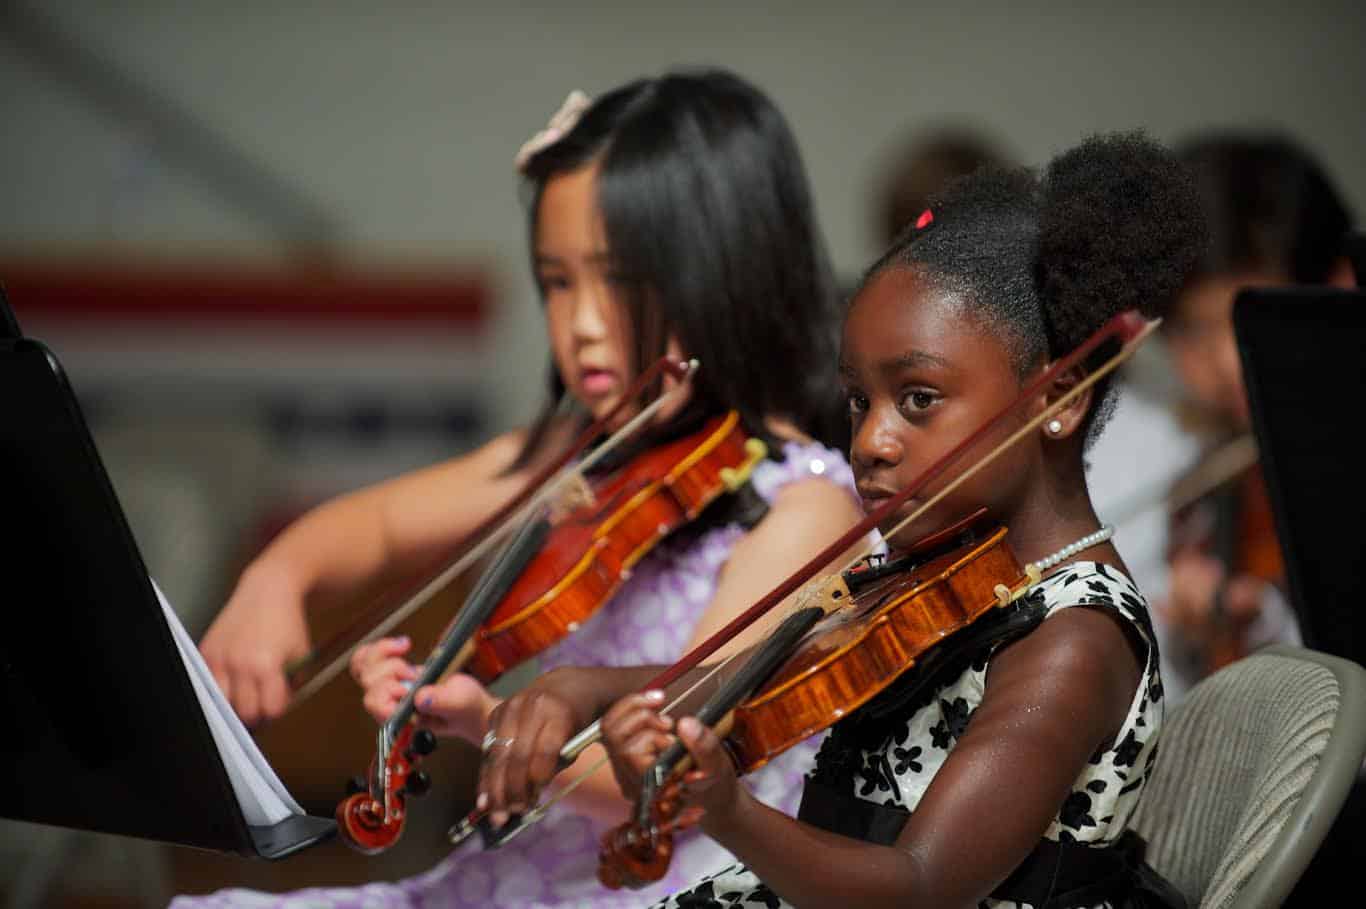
x=371, y=820
x=637, y=853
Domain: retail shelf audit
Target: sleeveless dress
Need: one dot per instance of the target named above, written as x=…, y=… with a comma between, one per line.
x=892, y=763
x=554, y=863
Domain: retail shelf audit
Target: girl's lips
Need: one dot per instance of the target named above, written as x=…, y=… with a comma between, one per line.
x=872, y=496
x=872, y=501
x=596, y=382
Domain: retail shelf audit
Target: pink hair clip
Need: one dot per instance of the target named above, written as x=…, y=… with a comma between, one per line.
x=559, y=126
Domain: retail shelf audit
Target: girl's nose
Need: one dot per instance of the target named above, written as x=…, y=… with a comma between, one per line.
x=590, y=312
x=876, y=442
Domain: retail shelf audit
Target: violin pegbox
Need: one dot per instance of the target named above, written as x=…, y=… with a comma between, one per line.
x=371, y=819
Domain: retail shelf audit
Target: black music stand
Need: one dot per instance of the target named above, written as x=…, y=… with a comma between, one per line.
x=105, y=732
x=1355, y=248
x=1303, y=351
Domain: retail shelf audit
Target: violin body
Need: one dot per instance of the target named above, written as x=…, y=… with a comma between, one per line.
x=593, y=546
x=857, y=652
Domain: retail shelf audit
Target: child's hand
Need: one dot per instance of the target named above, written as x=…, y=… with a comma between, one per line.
x=260, y=630
x=456, y=706
x=712, y=784
x=1203, y=601
x=635, y=735
x=379, y=668
x=522, y=749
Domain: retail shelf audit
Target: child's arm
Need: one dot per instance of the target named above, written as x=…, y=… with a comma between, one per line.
x=351, y=544
x=1051, y=700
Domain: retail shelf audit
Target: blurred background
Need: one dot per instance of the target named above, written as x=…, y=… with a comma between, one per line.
x=280, y=247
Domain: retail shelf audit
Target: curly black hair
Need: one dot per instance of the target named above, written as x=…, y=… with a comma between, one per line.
x=1044, y=260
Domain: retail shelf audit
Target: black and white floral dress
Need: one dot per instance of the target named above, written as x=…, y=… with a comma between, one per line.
x=892, y=762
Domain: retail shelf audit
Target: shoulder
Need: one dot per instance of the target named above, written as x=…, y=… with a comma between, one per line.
x=1073, y=646
x=809, y=505
x=1082, y=658
x=805, y=464
x=1100, y=585
x=802, y=514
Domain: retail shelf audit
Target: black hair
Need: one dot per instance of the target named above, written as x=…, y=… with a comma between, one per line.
x=1270, y=206
x=709, y=218
x=1045, y=260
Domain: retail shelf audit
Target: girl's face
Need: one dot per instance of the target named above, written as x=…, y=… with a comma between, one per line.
x=921, y=377
x=1204, y=350
x=586, y=315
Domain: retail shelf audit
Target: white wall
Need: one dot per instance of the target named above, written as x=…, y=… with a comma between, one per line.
x=402, y=118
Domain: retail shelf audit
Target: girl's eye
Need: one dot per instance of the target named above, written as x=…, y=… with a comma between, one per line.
x=918, y=401
x=857, y=402
x=551, y=283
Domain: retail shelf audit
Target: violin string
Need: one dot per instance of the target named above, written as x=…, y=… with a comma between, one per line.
x=497, y=535
x=593, y=733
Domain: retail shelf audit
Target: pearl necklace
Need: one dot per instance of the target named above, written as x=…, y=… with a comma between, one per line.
x=1071, y=549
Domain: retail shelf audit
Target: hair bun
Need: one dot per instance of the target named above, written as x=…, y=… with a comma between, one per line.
x=1120, y=228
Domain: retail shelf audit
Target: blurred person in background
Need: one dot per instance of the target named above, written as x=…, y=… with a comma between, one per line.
x=670, y=215
x=921, y=166
x=1275, y=219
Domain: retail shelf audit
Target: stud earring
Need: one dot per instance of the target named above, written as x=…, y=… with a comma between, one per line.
x=1054, y=427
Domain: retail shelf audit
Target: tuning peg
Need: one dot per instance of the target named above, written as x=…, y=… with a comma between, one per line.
x=417, y=783
x=424, y=742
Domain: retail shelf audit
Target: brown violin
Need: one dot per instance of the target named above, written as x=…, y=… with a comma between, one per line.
x=819, y=667
x=559, y=569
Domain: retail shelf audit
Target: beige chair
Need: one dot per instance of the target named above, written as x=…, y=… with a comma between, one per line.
x=1253, y=767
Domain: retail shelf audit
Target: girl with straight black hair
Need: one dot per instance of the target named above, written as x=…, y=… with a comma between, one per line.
x=672, y=215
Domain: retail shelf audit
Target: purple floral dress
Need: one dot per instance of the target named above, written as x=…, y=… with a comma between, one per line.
x=554, y=863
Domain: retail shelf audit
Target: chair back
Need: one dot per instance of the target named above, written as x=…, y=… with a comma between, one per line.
x=1253, y=767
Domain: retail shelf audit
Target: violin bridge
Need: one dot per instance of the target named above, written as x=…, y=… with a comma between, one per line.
x=574, y=493
x=825, y=593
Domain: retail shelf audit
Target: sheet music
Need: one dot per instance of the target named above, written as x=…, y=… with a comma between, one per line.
x=263, y=798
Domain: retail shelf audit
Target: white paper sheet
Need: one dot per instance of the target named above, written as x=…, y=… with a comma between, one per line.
x=263, y=798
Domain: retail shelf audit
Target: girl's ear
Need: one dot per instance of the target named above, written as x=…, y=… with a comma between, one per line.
x=1066, y=421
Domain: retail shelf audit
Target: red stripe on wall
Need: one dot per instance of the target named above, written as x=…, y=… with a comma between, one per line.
x=457, y=299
